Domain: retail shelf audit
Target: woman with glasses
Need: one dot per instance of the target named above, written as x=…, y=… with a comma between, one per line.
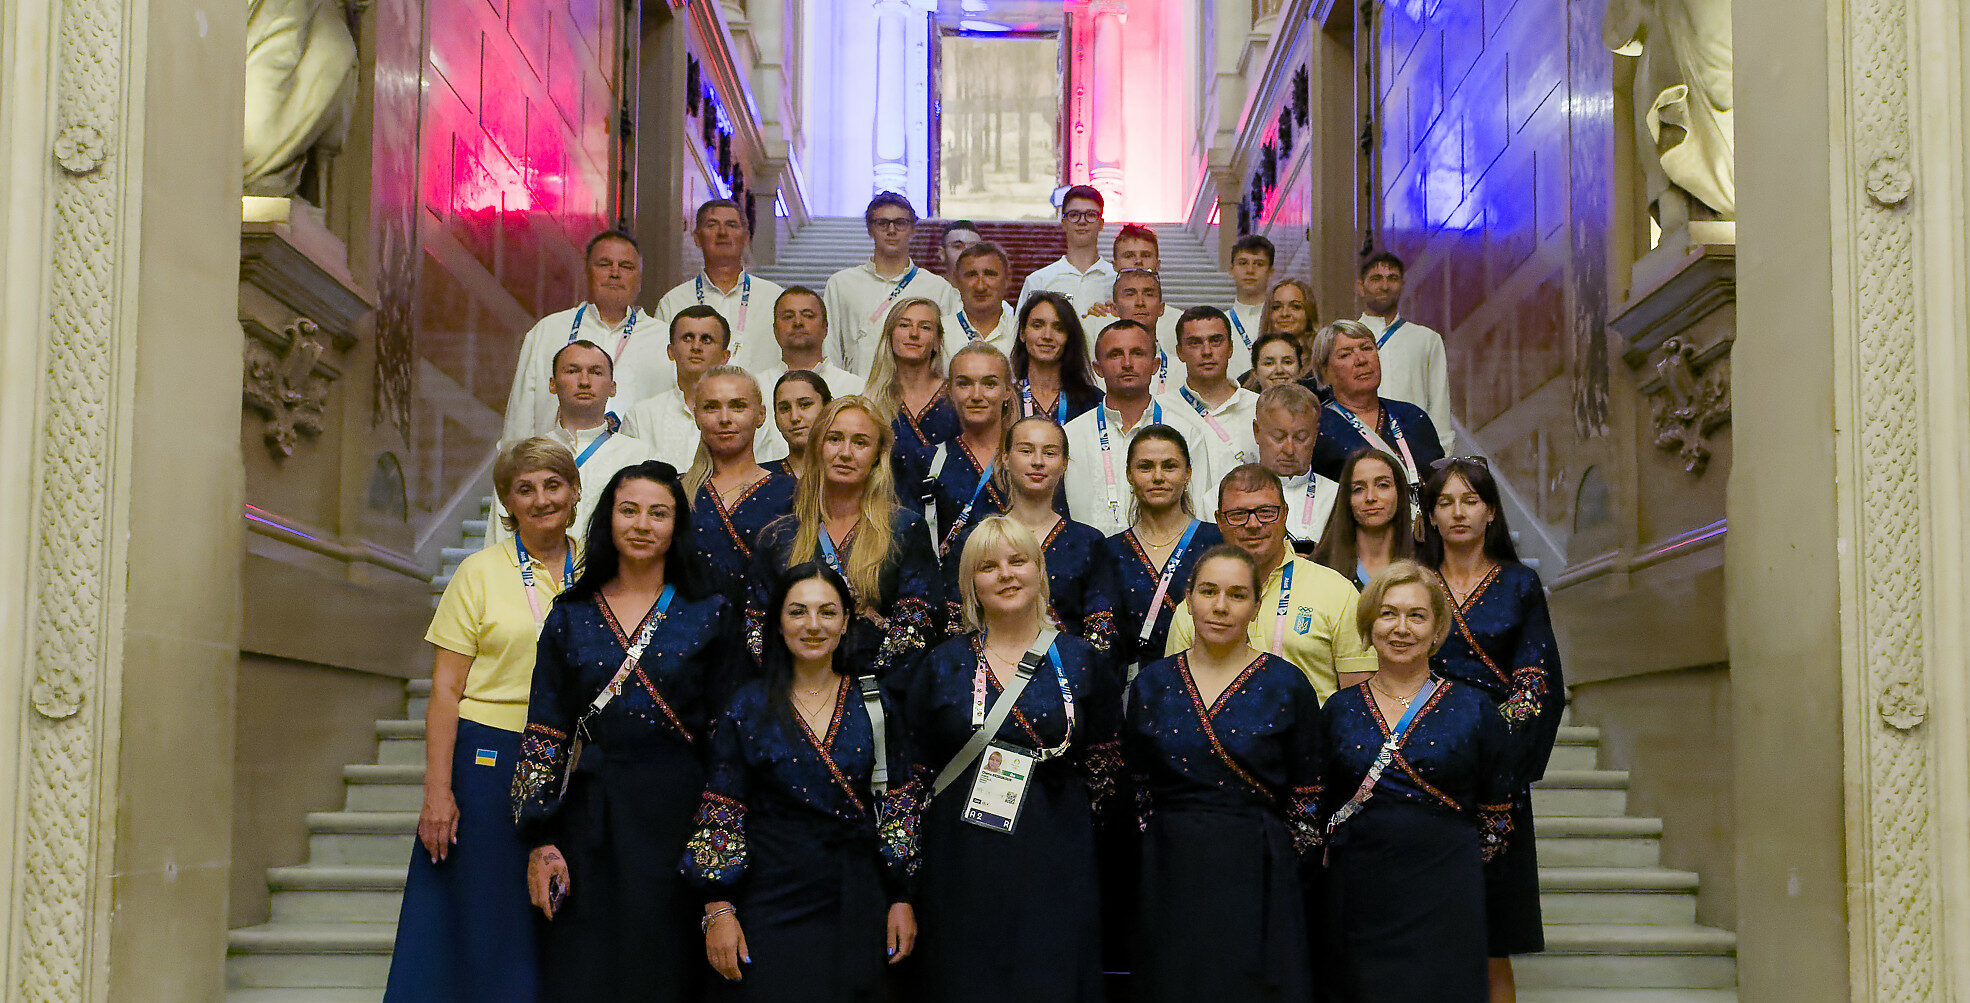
x=1345, y=363
x=805, y=841
x=1501, y=641
x=1223, y=743
x=1050, y=360
x=1008, y=902
x=631, y=663
x=1371, y=526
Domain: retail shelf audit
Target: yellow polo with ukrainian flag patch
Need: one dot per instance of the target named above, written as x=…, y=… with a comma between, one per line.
x=1313, y=628
x=485, y=614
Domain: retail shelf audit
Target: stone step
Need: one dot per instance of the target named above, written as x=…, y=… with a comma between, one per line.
x=419, y=691
x=304, y=996
x=344, y=893
x=1635, y=956
x=310, y=955
x=1628, y=996
x=376, y=787
x=1574, y=895
x=361, y=837
x=400, y=743
x=1581, y=792
x=1599, y=841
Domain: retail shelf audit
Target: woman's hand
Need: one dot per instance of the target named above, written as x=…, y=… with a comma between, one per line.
x=725, y=941
x=547, y=870
x=437, y=824
x=902, y=931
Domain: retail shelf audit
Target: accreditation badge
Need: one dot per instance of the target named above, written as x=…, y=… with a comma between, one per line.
x=1000, y=788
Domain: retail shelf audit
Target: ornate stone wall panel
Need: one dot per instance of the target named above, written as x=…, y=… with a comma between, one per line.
x=72, y=629
x=1892, y=874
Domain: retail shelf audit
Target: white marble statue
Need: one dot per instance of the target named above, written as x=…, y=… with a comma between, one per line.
x=300, y=88
x=1683, y=93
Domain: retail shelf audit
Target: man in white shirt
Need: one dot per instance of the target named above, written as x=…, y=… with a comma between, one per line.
x=858, y=299
x=1225, y=409
x=800, y=325
x=1137, y=295
x=725, y=285
x=982, y=274
x=609, y=318
x=666, y=421
x=1080, y=274
x=1414, y=368
x=958, y=235
x=1096, y=485
x=582, y=384
x=1251, y=274
x=1285, y=423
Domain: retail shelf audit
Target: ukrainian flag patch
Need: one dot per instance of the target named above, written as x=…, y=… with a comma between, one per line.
x=486, y=757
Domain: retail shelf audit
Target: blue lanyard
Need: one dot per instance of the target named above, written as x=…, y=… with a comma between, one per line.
x=1239, y=324
x=614, y=423
x=970, y=334
x=622, y=341
x=527, y=573
x=1395, y=432
x=1107, y=457
x=964, y=514
x=828, y=552
x=1066, y=700
x=1389, y=331
x=745, y=296
x=1285, y=590
x=1415, y=707
x=1033, y=407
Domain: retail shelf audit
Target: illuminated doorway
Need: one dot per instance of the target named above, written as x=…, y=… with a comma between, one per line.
x=997, y=116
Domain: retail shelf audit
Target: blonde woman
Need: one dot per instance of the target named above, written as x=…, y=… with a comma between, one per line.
x=906, y=380
x=733, y=497
x=465, y=930
x=961, y=485
x=1289, y=310
x=845, y=515
x=1009, y=907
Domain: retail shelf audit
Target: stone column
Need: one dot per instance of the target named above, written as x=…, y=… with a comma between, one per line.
x=120, y=527
x=1847, y=550
x=1105, y=167
x=892, y=148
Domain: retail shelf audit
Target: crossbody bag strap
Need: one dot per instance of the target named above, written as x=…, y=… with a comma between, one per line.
x=879, y=727
x=930, y=490
x=996, y=717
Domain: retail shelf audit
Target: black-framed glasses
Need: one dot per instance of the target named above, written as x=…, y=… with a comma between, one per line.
x=1476, y=461
x=892, y=224
x=1081, y=216
x=1265, y=514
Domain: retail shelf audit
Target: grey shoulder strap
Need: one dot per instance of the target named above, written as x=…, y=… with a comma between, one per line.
x=879, y=725
x=996, y=717
x=930, y=492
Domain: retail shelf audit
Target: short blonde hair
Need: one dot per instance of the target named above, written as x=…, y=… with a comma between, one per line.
x=1323, y=346
x=1369, y=606
x=525, y=457
x=990, y=533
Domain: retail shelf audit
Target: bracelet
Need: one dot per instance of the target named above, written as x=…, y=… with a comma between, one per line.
x=704, y=925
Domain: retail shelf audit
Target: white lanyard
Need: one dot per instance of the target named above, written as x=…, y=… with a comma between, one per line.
x=622, y=341
x=1108, y=458
x=1279, y=619
x=745, y=297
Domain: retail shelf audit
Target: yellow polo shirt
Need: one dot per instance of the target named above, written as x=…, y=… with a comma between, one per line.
x=485, y=614
x=1317, y=630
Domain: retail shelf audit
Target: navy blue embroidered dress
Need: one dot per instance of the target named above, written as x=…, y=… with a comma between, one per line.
x=629, y=927
x=1079, y=402
x=1081, y=585
x=725, y=537
x=1013, y=916
x=1135, y=579
x=955, y=485
x=1337, y=437
x=1228, y=797
x=918, y=435
x=793, y=835
x=1501, y=641
x=905, y=617
x=1405, y=888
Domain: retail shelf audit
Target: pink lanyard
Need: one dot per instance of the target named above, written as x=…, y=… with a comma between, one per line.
x=745, y=298
x=1205, y=413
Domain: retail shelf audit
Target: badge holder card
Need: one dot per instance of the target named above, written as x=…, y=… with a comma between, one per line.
x=1000, y=788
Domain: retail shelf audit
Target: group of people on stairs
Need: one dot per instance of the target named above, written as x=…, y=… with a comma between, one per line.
x=904, y=641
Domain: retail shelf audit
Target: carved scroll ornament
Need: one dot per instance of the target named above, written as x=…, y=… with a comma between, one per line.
x=287, y=387
x=1688, y=402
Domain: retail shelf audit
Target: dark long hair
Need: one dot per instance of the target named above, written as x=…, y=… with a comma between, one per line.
x=1336, y=549
x=600, y=559
x=776, y=659
x=1076, y=376
x=1497, y=536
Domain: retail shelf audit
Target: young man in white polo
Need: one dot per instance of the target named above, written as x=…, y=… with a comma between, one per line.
x=1080, y=274
x=859, y=297
x=1224, y=408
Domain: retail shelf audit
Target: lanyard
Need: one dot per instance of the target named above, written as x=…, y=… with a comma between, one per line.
x=1279, y=619
x=1163, y=582
x=1066, y=699
x=893, y=293
x=1372, y=438
x=1108, y=458
x=970, y=333
x=1385, y=756
x=964, y=514
x=634, y=657
x=1162, y=370
x=622, y=341
x=1239, y=324
x=527, y=575
x=608, y=430
x=1306, y=510
x=1204, y=412
x=1029, y=407
x=1389, y=332
x=745, y=297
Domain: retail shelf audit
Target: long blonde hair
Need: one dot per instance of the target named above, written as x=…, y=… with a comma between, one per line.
x=990, y=533
x=700, y=471
x=872, y=545
x=882, y=388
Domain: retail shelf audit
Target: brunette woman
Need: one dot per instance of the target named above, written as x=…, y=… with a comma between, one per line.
x=798, y=397
x=1372, y=527
x=1050, y=360
x=1152, y=560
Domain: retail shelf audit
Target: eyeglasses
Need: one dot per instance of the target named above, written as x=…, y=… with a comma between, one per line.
x=1081, y=216
x=1475, y=461
x=1265, y=514
x=892, y=223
